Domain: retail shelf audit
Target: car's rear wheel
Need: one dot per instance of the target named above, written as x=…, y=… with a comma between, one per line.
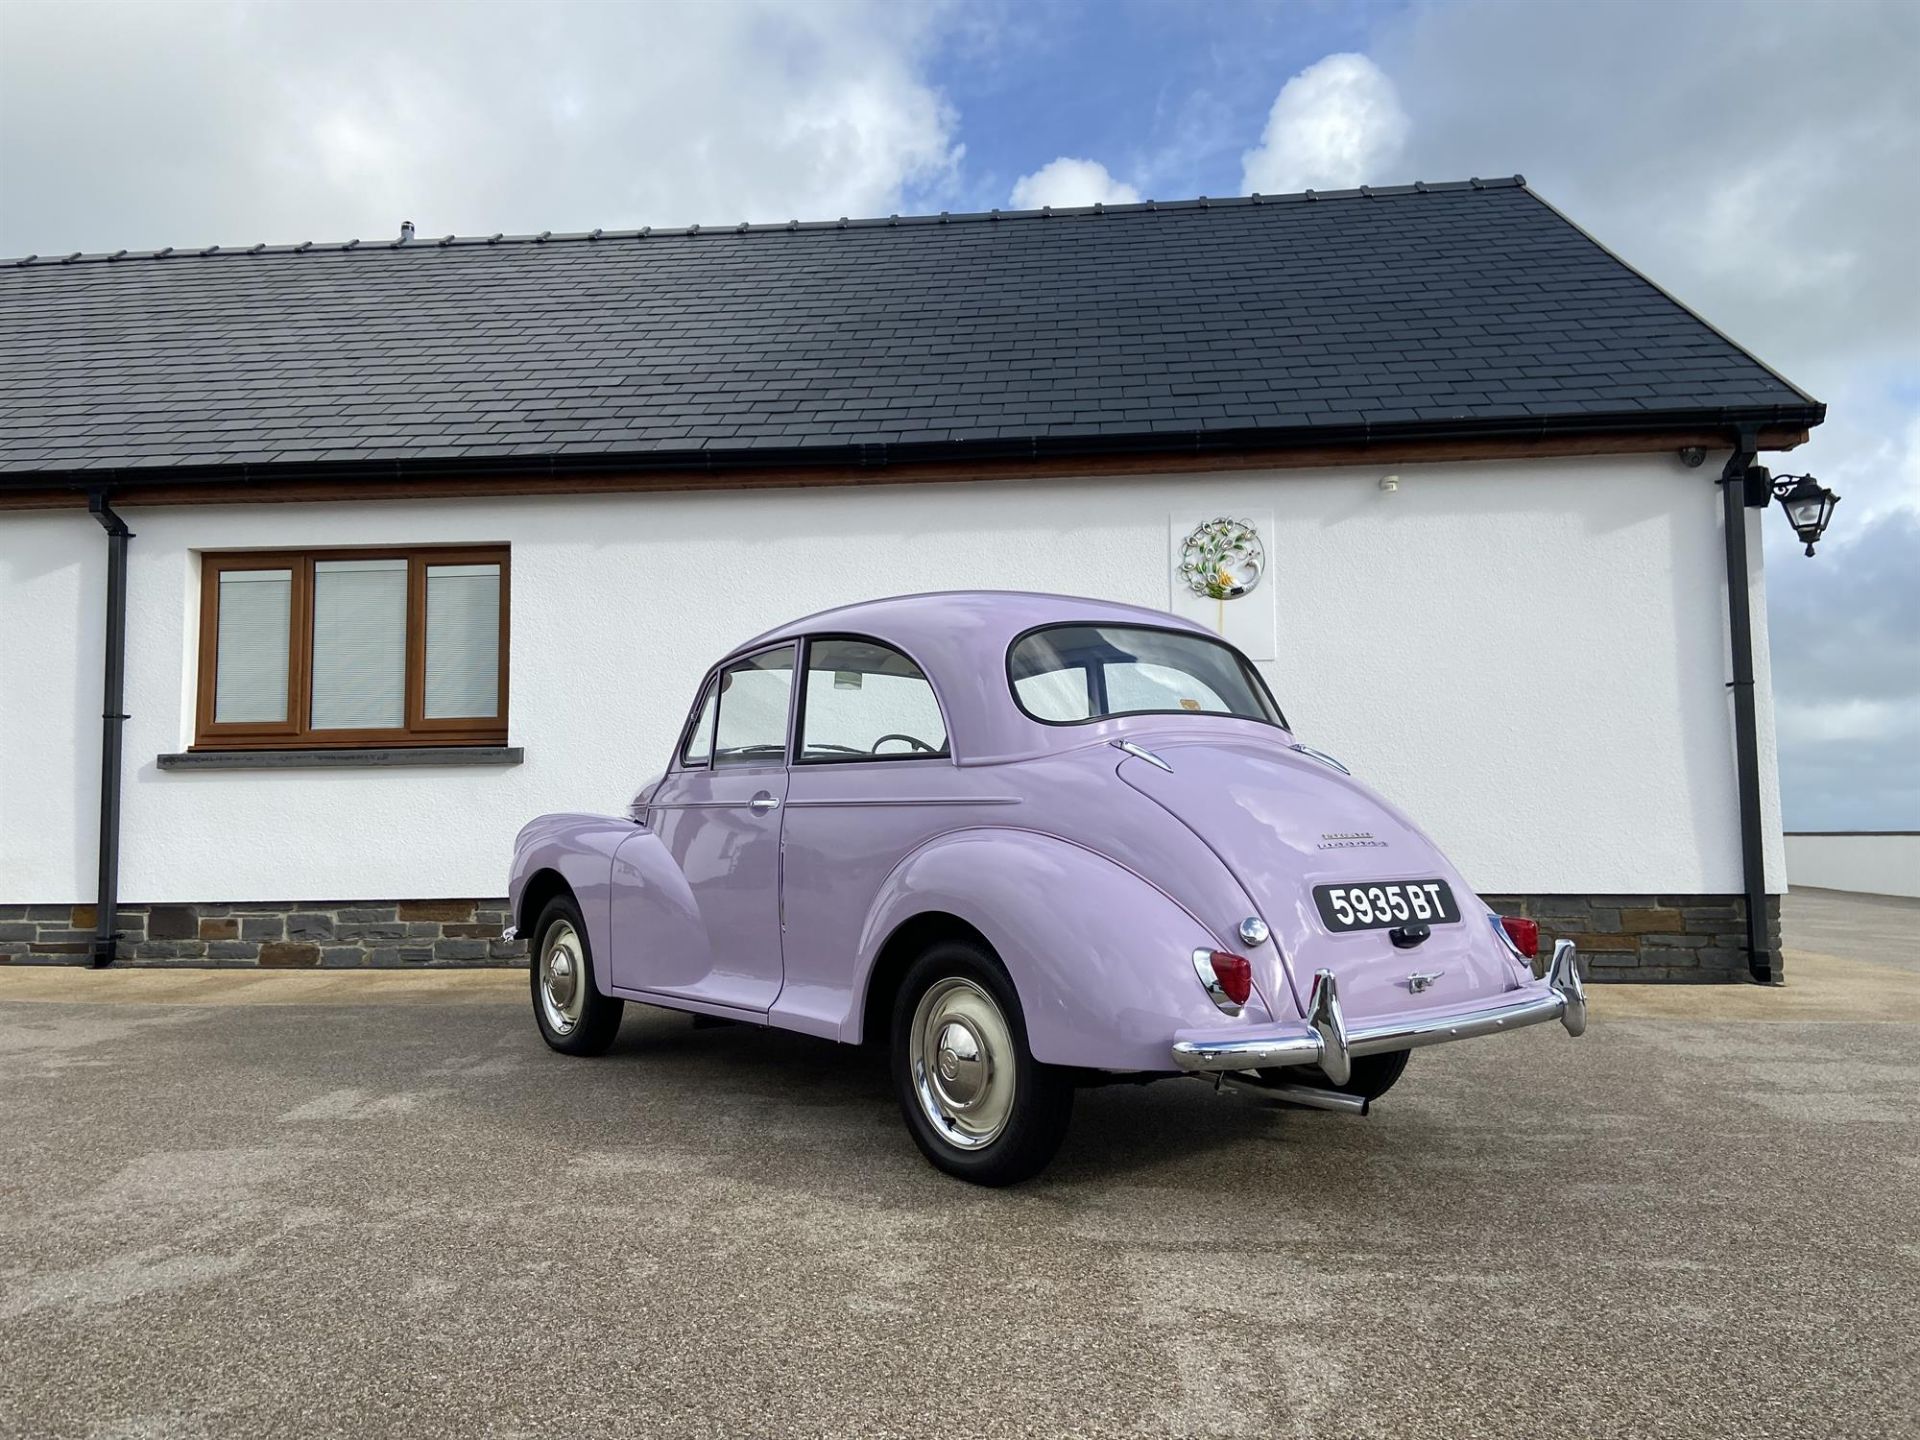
x=1371, y=1075
x=976, y=1101
x=574, y=1017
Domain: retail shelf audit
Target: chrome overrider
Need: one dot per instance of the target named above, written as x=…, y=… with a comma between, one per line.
x=1325, y=1039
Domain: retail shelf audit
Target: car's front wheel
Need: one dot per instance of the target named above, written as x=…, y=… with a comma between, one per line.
x=976, y=1101
x=574, y=1017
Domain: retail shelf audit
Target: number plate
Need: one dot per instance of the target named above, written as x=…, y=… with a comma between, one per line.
x=1381, y=906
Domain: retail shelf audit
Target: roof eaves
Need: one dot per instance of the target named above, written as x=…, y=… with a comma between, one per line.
x=343, y=467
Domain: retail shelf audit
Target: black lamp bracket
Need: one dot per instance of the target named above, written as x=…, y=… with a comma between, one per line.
x=1753, y=479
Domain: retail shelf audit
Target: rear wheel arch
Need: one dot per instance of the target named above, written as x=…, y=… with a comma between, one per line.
x=909, y=940
x=1101, y=958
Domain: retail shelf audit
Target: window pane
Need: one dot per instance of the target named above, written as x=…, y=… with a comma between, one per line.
x=752, y=728
x=699, y=746
x=866, y=701
x=255, y=618
x=1135, y=670
x=1054, y=695
x=463, y=641
x=359, y=644
x=1160, y=687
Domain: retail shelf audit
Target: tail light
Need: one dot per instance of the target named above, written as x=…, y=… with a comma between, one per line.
x=1235, y=974
x=1228, y=978
x=1522, y=935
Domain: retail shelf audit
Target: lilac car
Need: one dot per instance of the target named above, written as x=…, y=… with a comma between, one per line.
x=1029, y=843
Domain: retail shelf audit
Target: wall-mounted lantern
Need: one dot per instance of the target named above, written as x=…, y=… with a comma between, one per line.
x=1808, y=503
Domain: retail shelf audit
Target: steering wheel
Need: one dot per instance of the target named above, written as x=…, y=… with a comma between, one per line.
x=914, y=741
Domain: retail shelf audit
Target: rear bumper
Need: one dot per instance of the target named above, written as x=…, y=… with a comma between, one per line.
x=1324, y=1038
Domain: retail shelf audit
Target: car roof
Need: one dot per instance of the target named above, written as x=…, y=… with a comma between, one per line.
x=960, y=639
x=987, y=619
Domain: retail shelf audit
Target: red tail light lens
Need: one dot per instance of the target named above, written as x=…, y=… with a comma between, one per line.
x=1525, y=934
x=1235, y=974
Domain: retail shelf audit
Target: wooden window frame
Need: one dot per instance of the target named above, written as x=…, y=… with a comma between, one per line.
x=293, y=733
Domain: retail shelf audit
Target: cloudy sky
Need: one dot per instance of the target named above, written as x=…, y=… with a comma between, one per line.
x=1761, y=158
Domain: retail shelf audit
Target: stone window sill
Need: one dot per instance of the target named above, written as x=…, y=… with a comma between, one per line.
x=343, y=759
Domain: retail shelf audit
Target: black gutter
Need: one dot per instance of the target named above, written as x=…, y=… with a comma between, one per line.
x=1738, y=489
x=106, y=925
x=726, y=460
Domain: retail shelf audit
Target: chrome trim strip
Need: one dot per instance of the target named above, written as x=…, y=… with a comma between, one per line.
x=1140, y=752
x=1321, y=756
x=1324, y=1039
x=821, y=804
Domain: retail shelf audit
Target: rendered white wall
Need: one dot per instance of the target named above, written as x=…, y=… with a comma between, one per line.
x=52, y=617
x=1528, y=656
x=1882, y=864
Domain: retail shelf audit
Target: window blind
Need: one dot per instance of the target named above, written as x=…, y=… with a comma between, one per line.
x=359, y=644
x=463, y=641
x=250, y=679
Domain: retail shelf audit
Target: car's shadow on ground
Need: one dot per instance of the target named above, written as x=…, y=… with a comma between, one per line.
x=1118, y=1130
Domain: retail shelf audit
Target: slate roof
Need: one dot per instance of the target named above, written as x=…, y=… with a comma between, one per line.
x=1434, y=310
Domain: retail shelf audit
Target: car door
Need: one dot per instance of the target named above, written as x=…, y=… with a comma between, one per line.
x=710, y=929
x=873, y=778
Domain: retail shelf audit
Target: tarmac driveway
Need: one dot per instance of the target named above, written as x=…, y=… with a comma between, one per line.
x=244, y=1205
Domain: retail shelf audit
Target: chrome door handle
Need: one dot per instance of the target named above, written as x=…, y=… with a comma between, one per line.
x=762, y=802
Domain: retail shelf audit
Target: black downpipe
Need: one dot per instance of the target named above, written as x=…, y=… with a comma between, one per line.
x=1762, y=962
x=106, y=927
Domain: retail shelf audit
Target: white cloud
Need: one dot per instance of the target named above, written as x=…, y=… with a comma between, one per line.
x=1838, y=721
x=1335, y=125
x=1787, y=219
x=1788, y=222
x=239, y=120
x=1067, y=182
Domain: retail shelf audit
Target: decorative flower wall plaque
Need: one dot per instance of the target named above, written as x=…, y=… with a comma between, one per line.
x=1222, y=559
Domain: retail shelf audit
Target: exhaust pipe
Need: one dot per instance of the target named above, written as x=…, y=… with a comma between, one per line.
x=1308, y=1095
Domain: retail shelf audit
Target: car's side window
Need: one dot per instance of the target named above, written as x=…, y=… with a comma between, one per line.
x=698, y=748
x=867, y=701
x=755, y=697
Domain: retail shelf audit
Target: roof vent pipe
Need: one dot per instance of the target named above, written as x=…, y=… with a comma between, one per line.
x=406, y=230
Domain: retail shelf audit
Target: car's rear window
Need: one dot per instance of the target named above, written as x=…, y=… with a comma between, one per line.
x=1070, y=674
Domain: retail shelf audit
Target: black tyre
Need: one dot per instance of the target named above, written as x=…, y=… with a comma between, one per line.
x=574, y=1017
x=978, y=1104
x=1372, y=1075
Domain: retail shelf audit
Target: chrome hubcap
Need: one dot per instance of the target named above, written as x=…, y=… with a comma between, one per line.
x=563, y=991
x=961, y=1052
x=963, y=1070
